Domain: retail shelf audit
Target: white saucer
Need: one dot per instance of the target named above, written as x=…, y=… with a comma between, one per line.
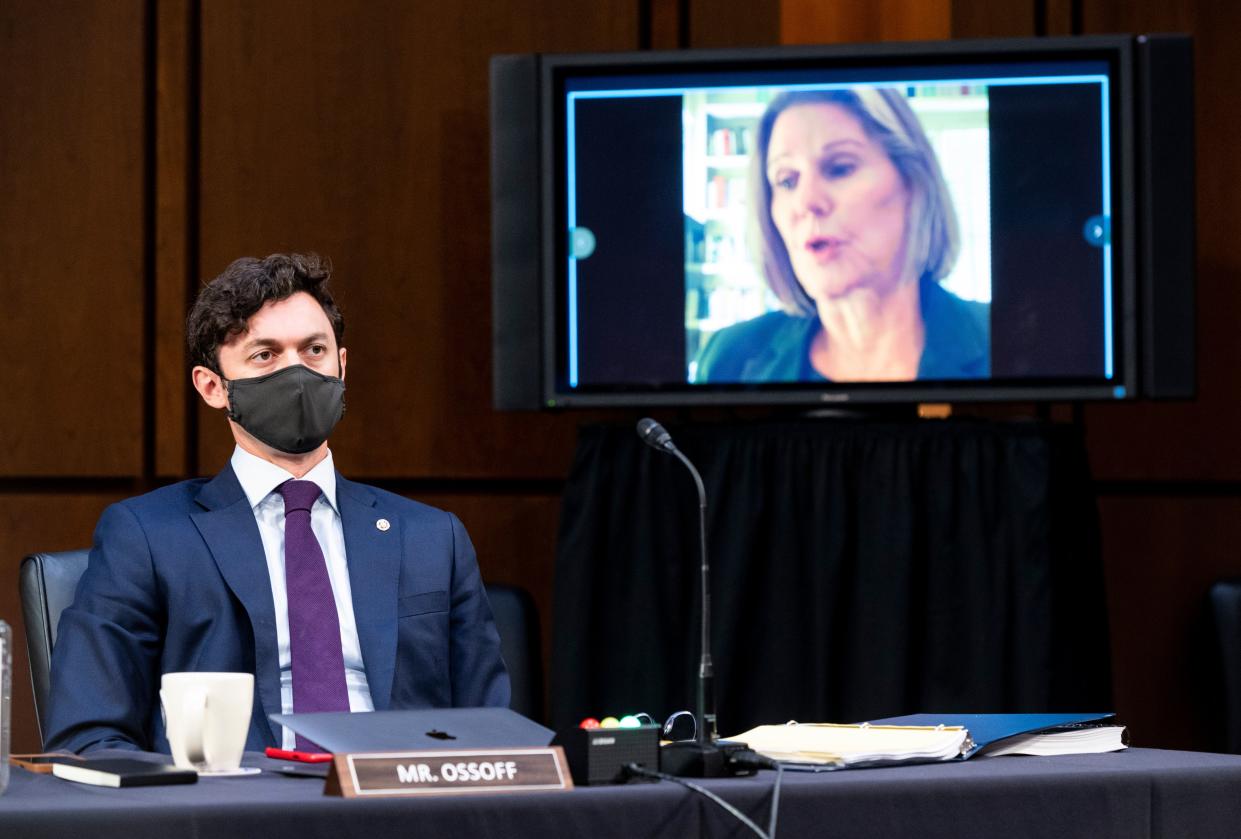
x=229, y=773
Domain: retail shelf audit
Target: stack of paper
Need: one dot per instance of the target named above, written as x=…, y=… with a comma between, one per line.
x=1068, y=741
x=852, y=745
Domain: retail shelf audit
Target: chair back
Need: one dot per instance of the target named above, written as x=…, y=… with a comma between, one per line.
x=1225, y=598
x=47, y=582
x=518, y=624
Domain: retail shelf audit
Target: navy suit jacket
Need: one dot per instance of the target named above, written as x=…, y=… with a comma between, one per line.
x=178, y=581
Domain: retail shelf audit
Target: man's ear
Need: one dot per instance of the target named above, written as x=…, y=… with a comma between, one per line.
x=210, y=386
x=342, y=364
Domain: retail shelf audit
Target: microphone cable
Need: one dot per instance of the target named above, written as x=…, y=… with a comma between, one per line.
x=747, y=758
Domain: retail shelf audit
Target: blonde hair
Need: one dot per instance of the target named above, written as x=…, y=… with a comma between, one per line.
x=932, y=240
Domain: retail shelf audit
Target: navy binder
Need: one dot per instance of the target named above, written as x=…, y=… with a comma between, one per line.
x=990, y=729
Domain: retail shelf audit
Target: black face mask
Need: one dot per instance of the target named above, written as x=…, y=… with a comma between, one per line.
x=292, y=410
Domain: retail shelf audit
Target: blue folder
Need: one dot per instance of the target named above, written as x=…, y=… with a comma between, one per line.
x=989, y=729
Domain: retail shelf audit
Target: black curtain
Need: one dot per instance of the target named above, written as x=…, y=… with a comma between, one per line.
x=860, y=569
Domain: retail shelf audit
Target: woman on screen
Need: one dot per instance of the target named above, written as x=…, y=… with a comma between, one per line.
x=857, y=229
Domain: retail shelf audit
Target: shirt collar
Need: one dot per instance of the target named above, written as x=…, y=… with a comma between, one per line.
x=259, y=478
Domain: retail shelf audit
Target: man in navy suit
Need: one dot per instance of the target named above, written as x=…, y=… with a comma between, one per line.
x=192, y=577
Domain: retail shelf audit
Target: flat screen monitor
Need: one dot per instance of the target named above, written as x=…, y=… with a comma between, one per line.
x=934, y=222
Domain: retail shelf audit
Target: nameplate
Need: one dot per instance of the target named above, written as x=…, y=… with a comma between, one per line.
x=448, y=772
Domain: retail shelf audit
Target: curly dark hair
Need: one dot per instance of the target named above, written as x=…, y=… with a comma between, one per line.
x=227, y=303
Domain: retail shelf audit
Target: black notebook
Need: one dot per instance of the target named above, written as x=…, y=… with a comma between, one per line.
x=123, y=772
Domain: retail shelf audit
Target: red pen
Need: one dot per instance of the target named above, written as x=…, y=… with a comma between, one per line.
x=304, y=757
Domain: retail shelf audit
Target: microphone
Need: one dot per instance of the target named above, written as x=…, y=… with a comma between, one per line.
x=655, y=435
x=703, y=757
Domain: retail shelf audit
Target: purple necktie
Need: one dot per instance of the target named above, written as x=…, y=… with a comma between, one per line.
x=314, y=628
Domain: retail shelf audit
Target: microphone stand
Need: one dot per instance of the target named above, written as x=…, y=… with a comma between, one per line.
x=704, y=756
x=707, y=732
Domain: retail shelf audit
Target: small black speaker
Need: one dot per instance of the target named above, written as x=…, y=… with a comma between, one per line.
x=599, y=755
x=516, y=262
x=1165, y=240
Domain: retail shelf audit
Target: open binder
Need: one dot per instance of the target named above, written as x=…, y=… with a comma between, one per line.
x=929, y=738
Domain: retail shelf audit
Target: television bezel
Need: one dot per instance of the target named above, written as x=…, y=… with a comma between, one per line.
x=1117, y=50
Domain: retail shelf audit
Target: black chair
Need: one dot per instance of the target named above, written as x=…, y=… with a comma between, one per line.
x=518, y=623
x=1225, y=599
x=49, y=580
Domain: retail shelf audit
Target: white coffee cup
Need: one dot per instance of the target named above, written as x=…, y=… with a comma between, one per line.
x=206, y=718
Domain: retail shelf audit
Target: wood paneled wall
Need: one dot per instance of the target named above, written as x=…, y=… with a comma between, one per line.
x=144, y=144
x=1170, y=474
x=72, y=236
x=811, y=22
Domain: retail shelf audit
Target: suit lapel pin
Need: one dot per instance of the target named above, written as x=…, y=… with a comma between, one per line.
x=383, y=524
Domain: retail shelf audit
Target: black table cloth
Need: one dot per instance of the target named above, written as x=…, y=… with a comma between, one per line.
x=1133, y=794
x=860, y=569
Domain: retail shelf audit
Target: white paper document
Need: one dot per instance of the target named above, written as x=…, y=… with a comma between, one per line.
x=849, y=745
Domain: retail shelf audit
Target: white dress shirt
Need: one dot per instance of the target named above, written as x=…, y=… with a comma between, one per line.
x=259, y=480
